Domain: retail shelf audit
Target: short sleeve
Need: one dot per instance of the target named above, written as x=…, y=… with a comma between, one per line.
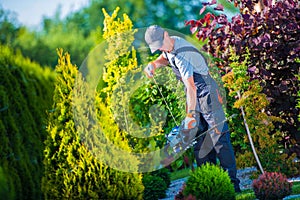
x=184, y=67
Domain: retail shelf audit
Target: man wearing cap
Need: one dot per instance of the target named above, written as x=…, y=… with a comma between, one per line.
x=203, y=101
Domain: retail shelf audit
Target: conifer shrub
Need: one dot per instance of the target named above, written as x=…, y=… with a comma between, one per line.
x=137, y=109
x=155, y=187
x=156, y=183
x=209, y=182
x=72, y=171
x=272, y=185
x=6, y=186
x=163, y=173
x=26, y=89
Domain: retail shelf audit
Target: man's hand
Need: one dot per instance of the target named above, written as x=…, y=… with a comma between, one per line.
x=149, y=70
x=189, y=122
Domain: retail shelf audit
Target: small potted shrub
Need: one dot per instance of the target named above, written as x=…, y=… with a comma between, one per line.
x=271, y=185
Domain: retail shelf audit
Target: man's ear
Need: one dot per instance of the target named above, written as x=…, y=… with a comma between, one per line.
x=166, y=34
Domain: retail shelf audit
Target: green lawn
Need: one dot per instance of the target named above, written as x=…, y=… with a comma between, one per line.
x=180, y=174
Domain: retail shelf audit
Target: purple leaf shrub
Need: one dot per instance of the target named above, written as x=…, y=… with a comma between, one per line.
x=272, y=34
x=272, y=185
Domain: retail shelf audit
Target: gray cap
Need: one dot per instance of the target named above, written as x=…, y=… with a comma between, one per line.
x=154, y=36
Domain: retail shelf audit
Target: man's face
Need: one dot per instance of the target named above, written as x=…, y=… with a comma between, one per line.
x=167, y=43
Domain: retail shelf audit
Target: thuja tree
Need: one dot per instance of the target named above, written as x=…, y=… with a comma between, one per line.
x=120, y=60
x=253, y=102
x=121, y=74
x=25, y=96
x=136, y=102
x=270, y=29
x=72, y=169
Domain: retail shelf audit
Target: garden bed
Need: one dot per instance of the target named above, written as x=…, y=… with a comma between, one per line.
x=180, y=178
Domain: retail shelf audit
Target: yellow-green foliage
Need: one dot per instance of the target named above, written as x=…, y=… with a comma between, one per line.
x=120, y=71
x=260, y=123
x=134, y=103
x=72, y=170
x=120, y=58
x=123, y=159
x=118, y=34
x=25, y=96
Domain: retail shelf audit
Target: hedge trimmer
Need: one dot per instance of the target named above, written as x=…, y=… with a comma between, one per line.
x=180, y=139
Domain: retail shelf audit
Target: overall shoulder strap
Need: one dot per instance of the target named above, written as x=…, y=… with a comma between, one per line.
x=187, y=48
x=190, y=48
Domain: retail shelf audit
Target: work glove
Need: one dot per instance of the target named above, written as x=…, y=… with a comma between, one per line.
x=189, y=129
x=149, y=70
x=189, y=122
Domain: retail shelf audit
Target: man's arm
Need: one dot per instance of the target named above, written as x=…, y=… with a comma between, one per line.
x=191, y=94
x=159, y=62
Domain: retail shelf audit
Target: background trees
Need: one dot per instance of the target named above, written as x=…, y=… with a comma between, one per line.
x=76, y=32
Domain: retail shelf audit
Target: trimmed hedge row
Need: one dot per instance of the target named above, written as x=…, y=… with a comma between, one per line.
x=25, y=95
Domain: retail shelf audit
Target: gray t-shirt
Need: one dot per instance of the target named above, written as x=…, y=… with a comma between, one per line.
x=187, y=62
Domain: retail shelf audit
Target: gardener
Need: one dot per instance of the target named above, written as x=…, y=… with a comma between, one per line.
x=204, y=104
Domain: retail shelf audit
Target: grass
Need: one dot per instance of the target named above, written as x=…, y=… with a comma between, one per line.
x=180, y=174
x=244, y=195
x=296, y=188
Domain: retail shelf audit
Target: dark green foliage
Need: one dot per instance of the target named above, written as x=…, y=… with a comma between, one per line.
x=163, y=173
x=6, y=186
x=8, y=26
x=155, y=187
x=156, y=183
x=272, y=185
x=25, y=96
x=296, y=188
x=147, y=104
x=209, y=182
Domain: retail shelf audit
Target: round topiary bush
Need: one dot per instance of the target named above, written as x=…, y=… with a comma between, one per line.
x=272, y=185
x=209, y=182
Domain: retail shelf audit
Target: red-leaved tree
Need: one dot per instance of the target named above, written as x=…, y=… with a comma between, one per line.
x=271, y=31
